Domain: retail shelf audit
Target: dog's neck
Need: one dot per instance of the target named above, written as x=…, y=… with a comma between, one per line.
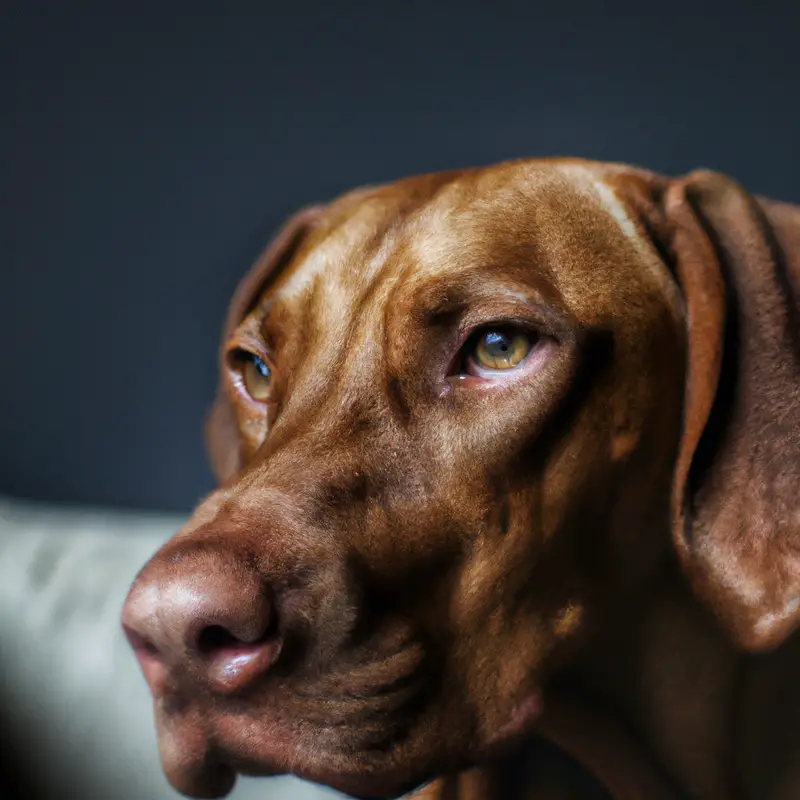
x=668, y=675
x=719, y=722
x=664, y=674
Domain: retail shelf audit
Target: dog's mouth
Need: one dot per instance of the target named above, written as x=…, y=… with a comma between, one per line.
x=337, y=729
x=204, y=761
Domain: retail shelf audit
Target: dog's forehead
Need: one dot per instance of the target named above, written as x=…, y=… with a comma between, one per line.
x=561, y=220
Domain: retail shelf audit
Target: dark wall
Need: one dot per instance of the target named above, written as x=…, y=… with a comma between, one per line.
x=147, y=154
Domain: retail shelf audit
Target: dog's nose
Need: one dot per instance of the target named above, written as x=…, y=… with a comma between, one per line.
x=206, y=617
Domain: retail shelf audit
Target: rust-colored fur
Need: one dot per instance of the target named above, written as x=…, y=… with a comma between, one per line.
x=579, y=580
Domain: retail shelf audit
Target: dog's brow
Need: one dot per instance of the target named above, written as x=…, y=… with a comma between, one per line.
x=606, y=197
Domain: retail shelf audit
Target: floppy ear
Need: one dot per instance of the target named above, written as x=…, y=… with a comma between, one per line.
x=222, y=437
x=736, y=500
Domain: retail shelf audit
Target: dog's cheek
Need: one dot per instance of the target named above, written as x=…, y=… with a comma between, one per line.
x=527, y=581
x=493, y=617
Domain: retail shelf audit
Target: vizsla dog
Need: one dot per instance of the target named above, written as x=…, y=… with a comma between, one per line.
x=510, y=499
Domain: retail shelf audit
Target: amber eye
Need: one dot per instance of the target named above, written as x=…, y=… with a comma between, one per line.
x=500, y=348
x=256, y=376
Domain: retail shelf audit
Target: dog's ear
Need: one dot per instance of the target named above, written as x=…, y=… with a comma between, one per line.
x=222, y=438
x=736, y=500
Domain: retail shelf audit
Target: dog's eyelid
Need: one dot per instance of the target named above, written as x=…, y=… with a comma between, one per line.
x=534, y=318
x=237, y=357
x=246, y=340
x=247, y=332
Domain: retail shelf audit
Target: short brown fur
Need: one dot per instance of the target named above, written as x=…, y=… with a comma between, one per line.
x=582, y=582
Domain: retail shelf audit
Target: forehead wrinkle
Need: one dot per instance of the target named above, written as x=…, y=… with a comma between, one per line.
x=341, y=309
x=322, y=287
x=328, y=255
x=487, y=221
x=428, y=243
x=365, y=221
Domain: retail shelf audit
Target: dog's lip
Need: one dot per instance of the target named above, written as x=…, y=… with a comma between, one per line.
x=189, y=759
x=286, y=724
x=216, y=778
x=204, y=748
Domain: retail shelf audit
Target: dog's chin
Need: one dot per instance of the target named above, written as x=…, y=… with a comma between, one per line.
x=368, y=780
x=378, y=787
x=202, y=754
x=217, y=777
x=350, y=765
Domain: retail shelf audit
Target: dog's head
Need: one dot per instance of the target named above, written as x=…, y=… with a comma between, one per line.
x=459, y=417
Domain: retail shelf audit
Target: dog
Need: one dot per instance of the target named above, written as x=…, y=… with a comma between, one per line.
x=509, y=505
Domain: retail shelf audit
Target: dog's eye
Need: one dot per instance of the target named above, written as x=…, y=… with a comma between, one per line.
x=499, y=348
x=256, y=376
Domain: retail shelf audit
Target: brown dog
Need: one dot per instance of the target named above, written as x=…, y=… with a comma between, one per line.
x=510, y=497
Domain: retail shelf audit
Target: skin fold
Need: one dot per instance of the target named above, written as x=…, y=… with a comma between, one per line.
x=577, y=576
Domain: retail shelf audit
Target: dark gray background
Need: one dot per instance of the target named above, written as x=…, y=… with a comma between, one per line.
x=148, y=150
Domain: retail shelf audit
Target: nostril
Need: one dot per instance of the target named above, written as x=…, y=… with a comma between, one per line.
x=233, y=662
x=215, y=638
